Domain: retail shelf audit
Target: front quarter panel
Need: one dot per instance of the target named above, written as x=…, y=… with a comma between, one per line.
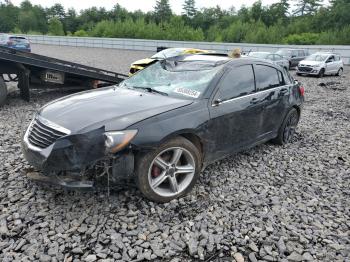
x=188, y=119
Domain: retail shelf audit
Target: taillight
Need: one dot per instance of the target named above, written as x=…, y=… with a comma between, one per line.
x=302, y=90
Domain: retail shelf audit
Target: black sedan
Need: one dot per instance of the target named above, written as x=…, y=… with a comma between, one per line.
x=165, y=124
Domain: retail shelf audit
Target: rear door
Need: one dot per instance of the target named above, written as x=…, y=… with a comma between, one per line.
x=273, y=91
x=235, y=112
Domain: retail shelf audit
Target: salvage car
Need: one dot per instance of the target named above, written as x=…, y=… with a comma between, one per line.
x=165, y=124
x=15, y=42
x=321, y=64
x=294, y=56
x=161, y=55
x=275, y=58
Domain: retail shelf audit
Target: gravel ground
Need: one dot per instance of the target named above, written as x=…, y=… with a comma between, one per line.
x=270, y=203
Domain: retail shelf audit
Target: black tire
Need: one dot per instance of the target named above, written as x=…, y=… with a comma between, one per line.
x=340, y=72
x=145, y=164
x=287, y=129
x=321, y=73
x=3, y=91
x=298, y=74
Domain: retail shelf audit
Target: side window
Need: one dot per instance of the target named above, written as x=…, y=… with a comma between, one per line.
x=301, y=53
x=280, y=78
x=267, y=77
x=331, y=58
x=270, y=57
x=294, y=53
x=277, y=57
x=237, y=82
x=288, y=79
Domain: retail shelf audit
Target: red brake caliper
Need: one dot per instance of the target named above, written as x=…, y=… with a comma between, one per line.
x=155, y=171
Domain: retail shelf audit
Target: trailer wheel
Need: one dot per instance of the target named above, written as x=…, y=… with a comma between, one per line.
x=23, y=85
x=3, y=91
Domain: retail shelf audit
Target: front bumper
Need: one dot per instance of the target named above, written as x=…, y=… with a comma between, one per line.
x=66, y=161
x=308, y=71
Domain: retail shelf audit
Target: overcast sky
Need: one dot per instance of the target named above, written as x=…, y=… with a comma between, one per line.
x=144, y=5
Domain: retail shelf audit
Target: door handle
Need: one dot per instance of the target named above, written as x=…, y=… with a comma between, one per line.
x=284, y=91
x=254, y=101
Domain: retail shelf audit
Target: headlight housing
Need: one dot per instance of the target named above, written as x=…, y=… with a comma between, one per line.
x=118, y=140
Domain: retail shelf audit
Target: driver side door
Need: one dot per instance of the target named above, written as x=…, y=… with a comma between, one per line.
x=235, y=113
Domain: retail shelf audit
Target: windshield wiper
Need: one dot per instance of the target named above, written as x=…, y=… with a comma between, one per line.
x=151, y=90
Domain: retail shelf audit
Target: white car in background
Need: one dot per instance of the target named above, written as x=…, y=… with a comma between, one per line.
x=275, y=58
x=321, y=64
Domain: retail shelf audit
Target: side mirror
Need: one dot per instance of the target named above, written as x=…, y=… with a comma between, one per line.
x=293, y=56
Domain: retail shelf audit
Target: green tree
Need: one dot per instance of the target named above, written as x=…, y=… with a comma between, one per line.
x=55, y=27
x=162, y=11
x=305, y=7
x=57, y=10
x=8, y=17
x=71, y=22
x=27, y=21
x=189, y=8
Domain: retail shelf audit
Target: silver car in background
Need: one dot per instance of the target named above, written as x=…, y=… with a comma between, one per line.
x=275, y=58
x=321, y=64
x=294, y=56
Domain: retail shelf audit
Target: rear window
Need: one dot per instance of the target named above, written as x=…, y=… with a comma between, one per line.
x=19, y=39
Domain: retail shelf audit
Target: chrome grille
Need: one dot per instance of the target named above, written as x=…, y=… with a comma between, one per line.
x=305, y=69
x=43, y=134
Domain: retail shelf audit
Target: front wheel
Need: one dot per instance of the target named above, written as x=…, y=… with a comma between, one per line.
x=321, y=73
x=287, y=130
x=170, y=171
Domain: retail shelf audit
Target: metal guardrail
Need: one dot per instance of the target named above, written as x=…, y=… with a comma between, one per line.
x=151, y=45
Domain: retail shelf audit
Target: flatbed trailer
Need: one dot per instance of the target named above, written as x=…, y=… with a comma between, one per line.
x=36, y=71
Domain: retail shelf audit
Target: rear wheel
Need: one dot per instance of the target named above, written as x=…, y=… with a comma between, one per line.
x=321, y=73
x=170, y=171
x=340, y=72
x=287, y=130
x=3, y=91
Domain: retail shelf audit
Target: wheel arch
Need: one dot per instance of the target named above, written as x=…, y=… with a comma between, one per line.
x=191, y=136
x=298, y=109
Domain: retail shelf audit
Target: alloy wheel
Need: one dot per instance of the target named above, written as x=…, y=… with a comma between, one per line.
x=171, y=171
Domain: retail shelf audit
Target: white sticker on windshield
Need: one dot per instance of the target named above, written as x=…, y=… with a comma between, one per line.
x=187, y=92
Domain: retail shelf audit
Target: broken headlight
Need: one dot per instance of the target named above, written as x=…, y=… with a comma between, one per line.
x=117, y=140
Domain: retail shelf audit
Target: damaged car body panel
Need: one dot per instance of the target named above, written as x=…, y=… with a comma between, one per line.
x=219, y=105
x=109, y=107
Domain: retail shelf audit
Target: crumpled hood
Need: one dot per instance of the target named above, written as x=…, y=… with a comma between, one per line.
x=112, y=107
x=145, y=61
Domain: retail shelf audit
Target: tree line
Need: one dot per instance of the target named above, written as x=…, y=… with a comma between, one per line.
x=284, y=22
